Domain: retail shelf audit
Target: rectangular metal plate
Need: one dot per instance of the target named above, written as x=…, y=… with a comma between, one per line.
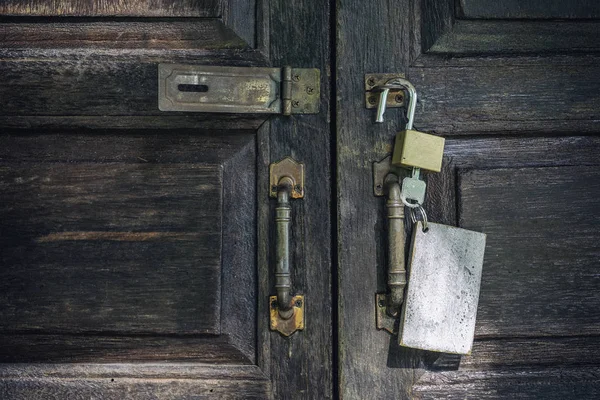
x=395, y=97
x=219, y=89
x=445, y=268
x=214, y=89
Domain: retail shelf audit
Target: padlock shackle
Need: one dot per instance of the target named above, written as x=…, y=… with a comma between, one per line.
x=398, y=83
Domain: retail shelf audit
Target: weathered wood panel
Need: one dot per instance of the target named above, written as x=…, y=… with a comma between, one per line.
x=146, y=34
x=110, y=247
x=68, y=348
x=541, y=271
x=97, y=8
x=131, y=146
x=535, y=383
x=372, y=37
x=301, y=366
x=457, y=97
x=518, y=9
x=532, y=352
x=131, y=381
x=518, y=37
x=45, y=88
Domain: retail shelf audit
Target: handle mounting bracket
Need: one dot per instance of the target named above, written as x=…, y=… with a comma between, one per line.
x=292, y=324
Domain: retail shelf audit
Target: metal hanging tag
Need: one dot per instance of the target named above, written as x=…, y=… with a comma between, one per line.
x=445, y=267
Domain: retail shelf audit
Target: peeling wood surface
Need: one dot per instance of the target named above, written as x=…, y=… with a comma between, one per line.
x=121, y=8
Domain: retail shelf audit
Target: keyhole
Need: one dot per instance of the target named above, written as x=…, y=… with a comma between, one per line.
x=192, y=88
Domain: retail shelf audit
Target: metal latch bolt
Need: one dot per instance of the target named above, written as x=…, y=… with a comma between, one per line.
x=198, y=88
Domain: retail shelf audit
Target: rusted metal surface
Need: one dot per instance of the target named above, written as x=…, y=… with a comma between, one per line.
x=287, y=326
x=381, y=169
x=287, y=167
x=383, y=319
x=395, y=97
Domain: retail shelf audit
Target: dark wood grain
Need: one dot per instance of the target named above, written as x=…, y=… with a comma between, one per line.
x=66, y=348
x=518, y=37
x=536, y=282
x=531, y=9
x=509, y=98
x=131, y=381
x=94, y=8
x=146, y=34
x=111, y=247
x=535, y=383
x=540, y=353
x=301, y=365
x=372, y=37
x=490, y=83
x=124, y=84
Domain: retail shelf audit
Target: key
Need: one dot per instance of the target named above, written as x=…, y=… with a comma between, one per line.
x=413, y=190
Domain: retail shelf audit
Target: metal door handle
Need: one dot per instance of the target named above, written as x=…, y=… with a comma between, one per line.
x=287, y=182
x=386, y=179
x=396, y=240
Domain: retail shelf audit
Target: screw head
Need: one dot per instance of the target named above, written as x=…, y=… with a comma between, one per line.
x=274, y=188
x=298, y=303
x=310, y=90
x=296, y=77
x=295, y=103
x=399, y=98
x=297, y=188
x=372, y=100
x=381, y=303
x=379, y=187
x=371, y=81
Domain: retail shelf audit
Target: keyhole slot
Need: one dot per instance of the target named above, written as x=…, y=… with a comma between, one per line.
x=188, y=88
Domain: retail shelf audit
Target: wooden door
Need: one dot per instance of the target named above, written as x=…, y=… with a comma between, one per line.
x=514, y=87
x=135, y=244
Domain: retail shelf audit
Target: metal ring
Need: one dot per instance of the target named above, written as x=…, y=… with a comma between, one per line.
x=407, y=204
x=414, y=219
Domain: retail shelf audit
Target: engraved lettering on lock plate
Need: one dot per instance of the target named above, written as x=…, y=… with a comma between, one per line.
x=443, y=289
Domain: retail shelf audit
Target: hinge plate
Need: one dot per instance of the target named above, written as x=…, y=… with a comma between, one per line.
x=199, y=88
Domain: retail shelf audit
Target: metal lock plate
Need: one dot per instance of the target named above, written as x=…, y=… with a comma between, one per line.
x=419, y=150
x=443, y=289
x=199, y=88
x=395, y=97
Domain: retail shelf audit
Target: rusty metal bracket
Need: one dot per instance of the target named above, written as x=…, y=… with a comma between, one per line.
x=287, y=167
x=201, y=88
x=287, y=326
x=381, y=169
x=395, y=97
x=383, y=319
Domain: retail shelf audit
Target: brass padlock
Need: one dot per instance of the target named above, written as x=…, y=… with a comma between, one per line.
x=413, y=149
